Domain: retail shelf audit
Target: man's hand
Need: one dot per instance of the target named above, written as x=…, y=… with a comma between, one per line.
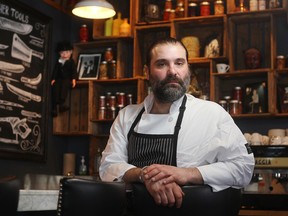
x=168, y=174
x=165, y=194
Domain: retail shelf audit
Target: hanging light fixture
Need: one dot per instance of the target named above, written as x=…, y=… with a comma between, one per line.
x=94, y=9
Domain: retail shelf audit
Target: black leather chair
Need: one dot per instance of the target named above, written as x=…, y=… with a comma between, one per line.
x=83, y=197
x=199, y=200
x=9, y=195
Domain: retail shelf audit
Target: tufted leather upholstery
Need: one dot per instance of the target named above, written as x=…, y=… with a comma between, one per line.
x=83, y=197
x=9, y=195
x=199, y=200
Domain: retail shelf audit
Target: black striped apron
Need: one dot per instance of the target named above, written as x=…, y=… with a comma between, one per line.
x=147, y=149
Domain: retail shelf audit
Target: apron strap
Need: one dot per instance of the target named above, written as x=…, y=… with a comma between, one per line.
x=135, y=122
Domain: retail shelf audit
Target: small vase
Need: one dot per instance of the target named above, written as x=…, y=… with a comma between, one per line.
x=125, y=28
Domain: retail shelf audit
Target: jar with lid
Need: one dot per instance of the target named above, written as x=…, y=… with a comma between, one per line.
x=83, y=33
x=129, y=99
x=102, y=101
x=262, y=5
x=237, y=95
x=223, y=103
x=253, y=5
x=172, y=14
x=112, y=101
x=108, y=56
x=166, y=14
x=205, y=8
x=121, y=99
x=234, y=107
x=111, y=112
x=103, y=70
x=219, y=7
x=112, y=69
x=102, y=113
x=228, y=99
x=179, y=11
x=274, y=4
x=280, y=62
x=192, y=9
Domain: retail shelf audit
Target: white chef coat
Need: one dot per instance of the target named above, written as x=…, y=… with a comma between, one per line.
x=208, y=139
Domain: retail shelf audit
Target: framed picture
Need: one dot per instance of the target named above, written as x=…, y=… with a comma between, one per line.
x=24, y=78
x=88, y=66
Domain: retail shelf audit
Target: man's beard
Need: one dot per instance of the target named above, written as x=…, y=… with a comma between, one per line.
x=167, y=90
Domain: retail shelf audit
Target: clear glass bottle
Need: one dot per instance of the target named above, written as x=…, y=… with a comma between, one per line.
x=83, y=167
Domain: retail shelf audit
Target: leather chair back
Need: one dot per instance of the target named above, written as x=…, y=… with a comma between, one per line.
x=199, y=200
x=9, y=195
x=83, y=197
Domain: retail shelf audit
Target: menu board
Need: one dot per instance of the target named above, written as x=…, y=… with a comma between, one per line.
x=23, y=83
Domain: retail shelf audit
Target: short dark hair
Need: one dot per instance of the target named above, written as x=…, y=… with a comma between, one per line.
x=161, y=41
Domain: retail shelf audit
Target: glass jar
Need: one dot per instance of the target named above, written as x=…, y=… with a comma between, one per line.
x=253, y=5
x=121, y=99
x=234, y=107
x=280, y=62
x=262, y=5
x=179, y=11
x=112, y=69
x=166, y=14
x=168, y=4
x=192, y=9
x=102, y=113
x=83, y=33
x=108, y=56
x=205, y=8
x=102, y=101
x=103, y=70
x=172, y=14
x=218, y=7
x=223, y=103
x=112, y=101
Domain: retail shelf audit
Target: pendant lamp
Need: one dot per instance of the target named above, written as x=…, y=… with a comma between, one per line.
x=94, y=9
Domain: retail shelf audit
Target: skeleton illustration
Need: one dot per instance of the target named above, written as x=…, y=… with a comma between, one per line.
x=19, y=127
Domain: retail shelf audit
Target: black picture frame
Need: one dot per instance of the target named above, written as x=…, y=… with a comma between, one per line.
x=25, y=37
x=88, y=66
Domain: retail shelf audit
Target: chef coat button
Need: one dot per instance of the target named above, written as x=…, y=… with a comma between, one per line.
x=170, y=119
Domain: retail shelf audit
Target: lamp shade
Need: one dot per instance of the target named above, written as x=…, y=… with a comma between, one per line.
x=94, y=9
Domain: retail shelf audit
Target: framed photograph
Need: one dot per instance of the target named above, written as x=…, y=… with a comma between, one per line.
x=88, y=66
x=23, y=115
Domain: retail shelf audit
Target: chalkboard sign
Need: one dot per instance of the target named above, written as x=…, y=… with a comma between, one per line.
x=23, y=81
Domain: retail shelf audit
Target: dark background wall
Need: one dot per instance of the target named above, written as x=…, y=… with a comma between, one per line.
x=66, y=27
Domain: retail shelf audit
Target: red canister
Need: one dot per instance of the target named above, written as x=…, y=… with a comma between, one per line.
x=205, y=8
x=83, y=33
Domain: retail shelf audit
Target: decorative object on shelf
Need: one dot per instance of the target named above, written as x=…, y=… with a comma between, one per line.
x=69, y=164
x=94, y=9
x=212, y=46
x=192, y=9
x=152, y=12
x=88, y=66
x=252, y=58
x=125, y=28
x=222, y=67
x=253, y=5
x=192, y=45
x=98, y=28
x=283, y=98
x=256, y=98
x=103, y=75
x=108, y=27
x=116, y=25
x=82, y=167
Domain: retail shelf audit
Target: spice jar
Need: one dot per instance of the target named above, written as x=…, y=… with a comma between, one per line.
x=108, y=56
x=234, y=107
x=280, y=62
x=102, y=113
x=112, y=69
x=179, y=11
x=102, y=101
x=192, y=9
x=218, y=7
x=83, y=33
x=103, y=70
x=166, y=14
x=205, y=8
